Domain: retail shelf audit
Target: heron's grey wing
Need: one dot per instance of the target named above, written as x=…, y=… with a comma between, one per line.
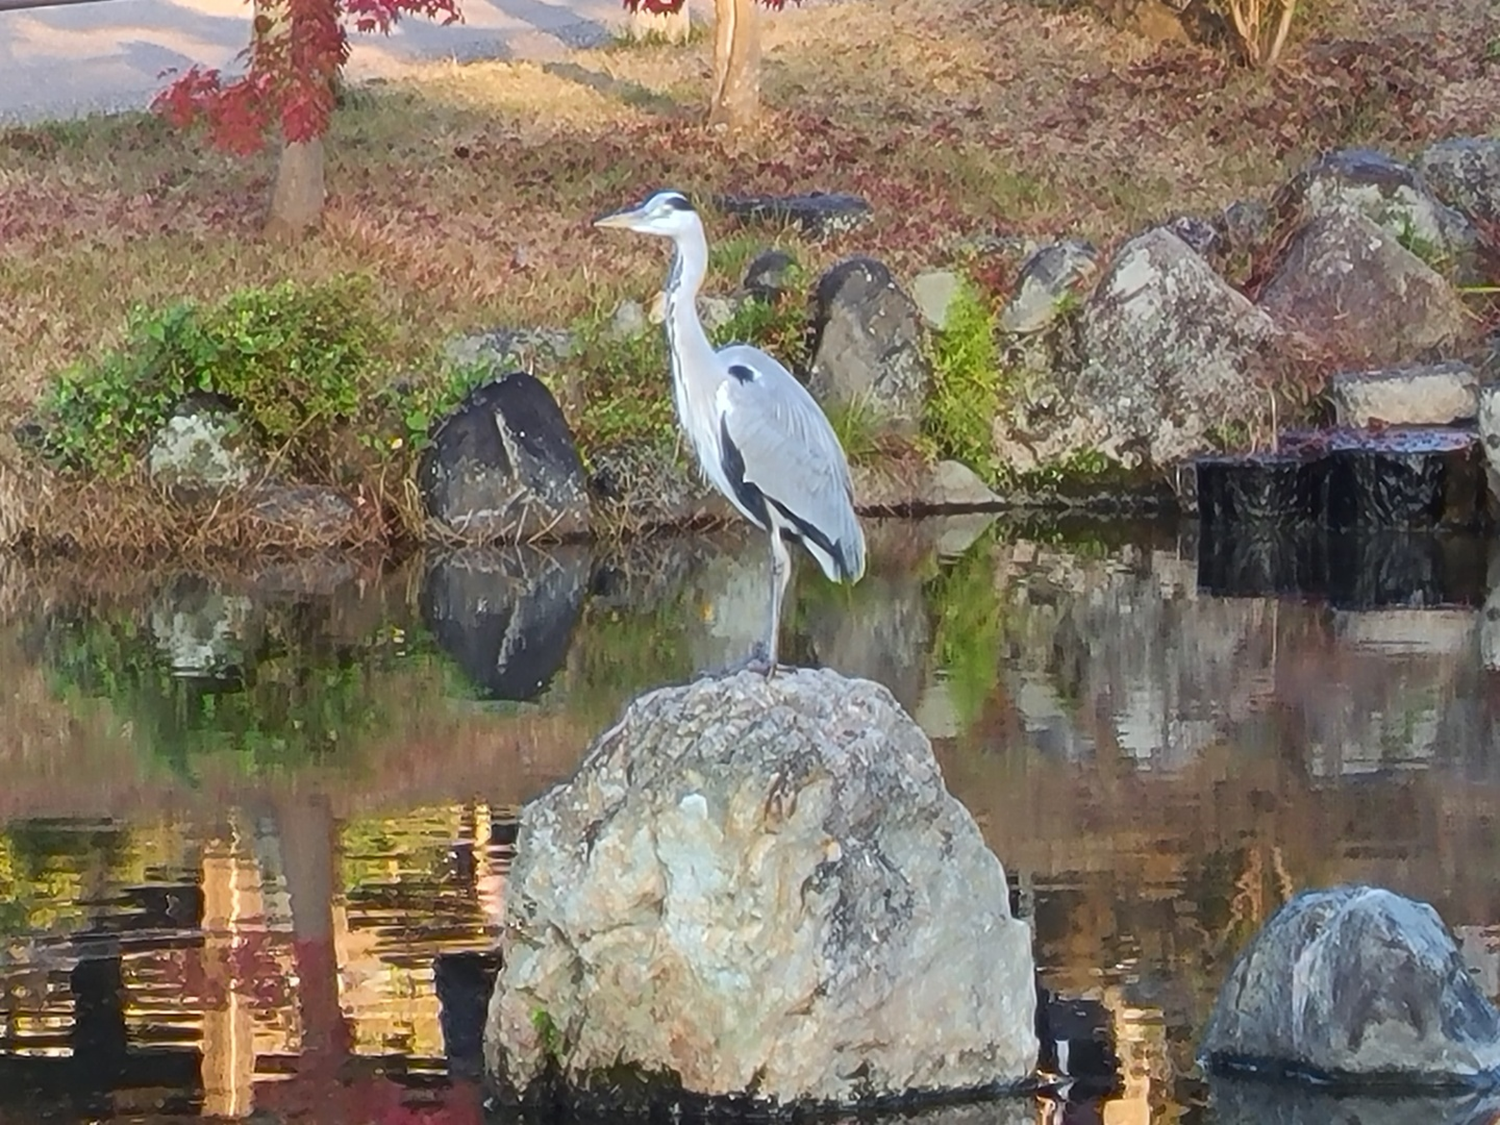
x=778, y=444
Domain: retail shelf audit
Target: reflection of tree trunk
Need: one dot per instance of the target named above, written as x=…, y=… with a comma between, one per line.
x=231, y=898
x=307, y=837
x=736, y=65
x=297, y=201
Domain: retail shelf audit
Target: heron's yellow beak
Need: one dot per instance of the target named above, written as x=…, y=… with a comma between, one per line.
x=618, y=220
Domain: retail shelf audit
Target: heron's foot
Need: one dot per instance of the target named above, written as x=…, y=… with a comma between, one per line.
x=757, y=662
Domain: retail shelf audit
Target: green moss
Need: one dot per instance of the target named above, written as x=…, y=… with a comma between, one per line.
x=296, y=359
x=548, y=1034
x=967, y=382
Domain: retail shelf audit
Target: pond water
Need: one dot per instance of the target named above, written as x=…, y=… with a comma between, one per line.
x=255, y=825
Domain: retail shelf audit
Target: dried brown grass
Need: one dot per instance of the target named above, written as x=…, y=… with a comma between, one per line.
x=468, y=191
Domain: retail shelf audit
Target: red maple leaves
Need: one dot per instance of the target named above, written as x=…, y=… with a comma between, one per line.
x=296, y=52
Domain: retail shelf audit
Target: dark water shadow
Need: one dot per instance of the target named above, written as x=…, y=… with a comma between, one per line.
x=1244, y=1101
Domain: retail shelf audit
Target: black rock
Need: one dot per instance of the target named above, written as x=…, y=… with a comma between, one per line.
x=504, y=467
x=766, y=276
x=1411, y=478
x=817, y=214
x=505, y=617
x=867, y=345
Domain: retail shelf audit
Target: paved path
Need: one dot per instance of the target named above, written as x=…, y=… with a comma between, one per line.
x=111, y=55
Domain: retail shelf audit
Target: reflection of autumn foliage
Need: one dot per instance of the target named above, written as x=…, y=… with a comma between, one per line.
x=293, y=62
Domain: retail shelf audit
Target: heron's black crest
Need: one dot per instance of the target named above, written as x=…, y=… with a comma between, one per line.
x=676, y=201
x=741, y=372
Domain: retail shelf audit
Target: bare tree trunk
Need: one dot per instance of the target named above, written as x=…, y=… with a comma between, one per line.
x=668, y=27
x=297, y=201
x=736, y=101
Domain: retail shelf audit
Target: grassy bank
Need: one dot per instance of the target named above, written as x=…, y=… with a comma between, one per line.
x=465, y=194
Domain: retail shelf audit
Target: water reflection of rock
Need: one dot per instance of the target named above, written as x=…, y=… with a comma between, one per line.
x=1249, y=1102
x=201, y=630
x=506, y=617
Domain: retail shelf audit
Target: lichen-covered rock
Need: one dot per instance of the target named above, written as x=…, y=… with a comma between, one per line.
x=1355, y=290
x=1048, y=279
x=1464, y=172
x=502, y=348
x=1170, y=351
x=1392, y=195
x=761, y=890
x=203, y=449
x=934, y=291
x=1356, y=983
x=503, y=467
x=867, y=345
x=1421, y=395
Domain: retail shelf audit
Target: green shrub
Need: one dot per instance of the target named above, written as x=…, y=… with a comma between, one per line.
x=966, y=384
x=296, y=359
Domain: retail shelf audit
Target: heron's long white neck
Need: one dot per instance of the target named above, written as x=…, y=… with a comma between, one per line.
x=694, y=364
x=684, y=329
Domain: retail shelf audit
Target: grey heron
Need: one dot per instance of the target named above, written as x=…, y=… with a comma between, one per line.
x=760, y=438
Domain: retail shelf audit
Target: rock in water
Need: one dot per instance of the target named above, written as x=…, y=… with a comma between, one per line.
x=1355, y=983
x=758, y=890
x=867, y=345
x=503, y=466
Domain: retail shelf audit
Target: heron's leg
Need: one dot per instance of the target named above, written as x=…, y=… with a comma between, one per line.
x=781, y=570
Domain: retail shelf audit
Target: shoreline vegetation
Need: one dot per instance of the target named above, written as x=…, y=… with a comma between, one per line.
x=132, y=272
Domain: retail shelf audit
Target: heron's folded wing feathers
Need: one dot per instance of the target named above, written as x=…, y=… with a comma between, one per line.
x=792, y=455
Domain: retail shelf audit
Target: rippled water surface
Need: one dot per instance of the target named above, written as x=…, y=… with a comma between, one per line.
x=255, y=825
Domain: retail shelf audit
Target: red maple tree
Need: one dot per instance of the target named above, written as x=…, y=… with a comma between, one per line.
x=297, y=50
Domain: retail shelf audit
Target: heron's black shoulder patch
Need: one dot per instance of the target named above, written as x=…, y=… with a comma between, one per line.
x=741, y=372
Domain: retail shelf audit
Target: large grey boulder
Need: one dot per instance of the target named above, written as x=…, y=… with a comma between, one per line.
x=867, y=345
x=1170, y=351
x=1434, y=394
x=1354, y=982
x=1464, y=172
x=1353, y=289
x=1392, y=195
x=758, y=890
x=503, y=467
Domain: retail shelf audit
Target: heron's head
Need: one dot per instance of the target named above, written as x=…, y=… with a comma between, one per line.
x=666, y=213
